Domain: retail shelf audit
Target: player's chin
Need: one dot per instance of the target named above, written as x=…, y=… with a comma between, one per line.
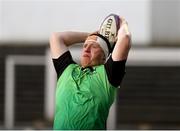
x=85, y=61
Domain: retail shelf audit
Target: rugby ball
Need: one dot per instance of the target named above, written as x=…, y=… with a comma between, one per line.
x=109, y=28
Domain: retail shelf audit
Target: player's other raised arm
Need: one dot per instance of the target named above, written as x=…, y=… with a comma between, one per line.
x=123, y=43
x=59, y=41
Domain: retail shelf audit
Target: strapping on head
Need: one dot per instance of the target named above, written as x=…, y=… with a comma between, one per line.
x=104, y=44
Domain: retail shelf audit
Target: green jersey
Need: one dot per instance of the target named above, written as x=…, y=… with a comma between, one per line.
x=83, y=98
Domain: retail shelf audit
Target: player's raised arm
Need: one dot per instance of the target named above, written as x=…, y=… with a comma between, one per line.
x=59, y=41
x=123, y=43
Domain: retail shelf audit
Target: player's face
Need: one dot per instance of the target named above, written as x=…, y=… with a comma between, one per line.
x=92, y=53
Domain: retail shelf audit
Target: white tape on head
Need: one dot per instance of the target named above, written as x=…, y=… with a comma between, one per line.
x=101, y=42
x=103, y=45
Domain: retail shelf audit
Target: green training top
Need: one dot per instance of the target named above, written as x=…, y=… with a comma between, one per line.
x=83, y=98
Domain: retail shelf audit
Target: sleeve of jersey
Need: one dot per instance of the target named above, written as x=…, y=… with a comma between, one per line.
x=115, y=71
x=62, y=62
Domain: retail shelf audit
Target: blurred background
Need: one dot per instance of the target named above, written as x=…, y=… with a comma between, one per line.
x=149, y=94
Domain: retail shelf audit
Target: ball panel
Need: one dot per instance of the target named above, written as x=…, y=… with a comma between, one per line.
x=109, y=27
